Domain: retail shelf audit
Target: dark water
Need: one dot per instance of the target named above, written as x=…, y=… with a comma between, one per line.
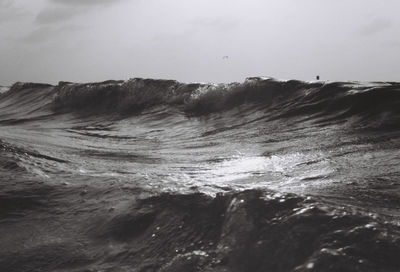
x=157, y=175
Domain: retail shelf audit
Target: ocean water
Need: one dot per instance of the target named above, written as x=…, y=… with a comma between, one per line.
x=158, y=175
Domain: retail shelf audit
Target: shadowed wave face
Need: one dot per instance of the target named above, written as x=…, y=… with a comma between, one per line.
x=159, y=175
x=374, y=103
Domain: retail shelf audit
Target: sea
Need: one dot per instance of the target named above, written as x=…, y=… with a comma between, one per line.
x=160, y=175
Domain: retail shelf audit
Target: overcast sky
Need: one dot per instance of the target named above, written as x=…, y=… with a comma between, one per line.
x=94, y=40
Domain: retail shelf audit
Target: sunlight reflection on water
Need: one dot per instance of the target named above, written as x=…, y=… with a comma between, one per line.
x=241, y=171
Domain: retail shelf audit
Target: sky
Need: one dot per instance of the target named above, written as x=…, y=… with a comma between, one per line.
x=199, y=40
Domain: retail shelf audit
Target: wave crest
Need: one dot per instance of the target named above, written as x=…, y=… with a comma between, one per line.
x=376, y=104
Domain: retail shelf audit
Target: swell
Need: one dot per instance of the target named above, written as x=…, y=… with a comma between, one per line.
x=137, y=94
x=246, y=231
x=21, y=162
x=9, y=158
x=25, y=102
x=375, y=105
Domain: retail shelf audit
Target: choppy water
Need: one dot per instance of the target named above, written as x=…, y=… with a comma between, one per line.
x=151, y=175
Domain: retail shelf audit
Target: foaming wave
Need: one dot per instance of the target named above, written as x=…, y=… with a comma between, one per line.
x=375, y=105
x=4, y=89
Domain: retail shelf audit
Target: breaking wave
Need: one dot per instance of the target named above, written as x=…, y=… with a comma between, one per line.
x=373, y=104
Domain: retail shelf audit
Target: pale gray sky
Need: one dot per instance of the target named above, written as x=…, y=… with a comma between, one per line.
x=94, y=40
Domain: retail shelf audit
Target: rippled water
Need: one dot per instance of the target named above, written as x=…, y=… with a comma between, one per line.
x=337, y=143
